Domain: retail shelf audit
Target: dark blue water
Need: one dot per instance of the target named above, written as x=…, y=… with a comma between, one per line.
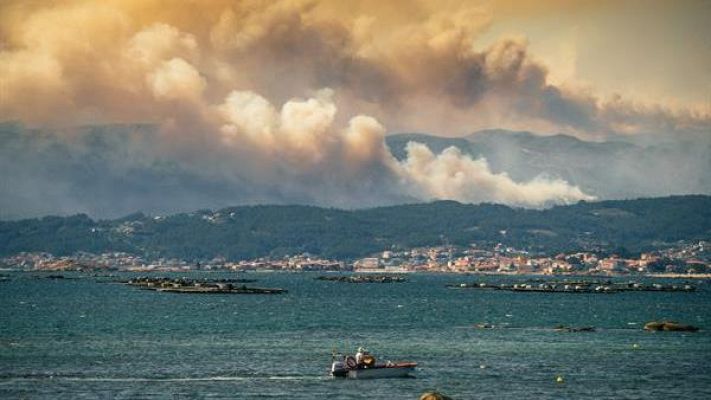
x=82, y=339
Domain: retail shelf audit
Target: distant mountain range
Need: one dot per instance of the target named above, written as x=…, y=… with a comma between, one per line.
x=253, y=231
x=111, y=170
x=613, y=169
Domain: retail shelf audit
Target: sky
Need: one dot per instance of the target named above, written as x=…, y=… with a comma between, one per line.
x=213, y=103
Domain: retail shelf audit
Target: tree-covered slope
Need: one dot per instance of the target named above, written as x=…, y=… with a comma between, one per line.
x=252, y=231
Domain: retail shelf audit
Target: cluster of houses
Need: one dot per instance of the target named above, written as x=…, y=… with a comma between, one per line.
x=79, y=261
x=684, y=259
x=118, y=261
x=302, y=262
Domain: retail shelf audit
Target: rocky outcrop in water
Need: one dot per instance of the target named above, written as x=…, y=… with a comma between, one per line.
x=670, y=326
x=563, y=328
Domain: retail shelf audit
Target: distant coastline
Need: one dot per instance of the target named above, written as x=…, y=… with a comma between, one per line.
x=623, y=227
x=668, y=235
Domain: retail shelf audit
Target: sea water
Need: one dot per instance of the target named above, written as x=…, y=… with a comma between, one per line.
x=84, y=337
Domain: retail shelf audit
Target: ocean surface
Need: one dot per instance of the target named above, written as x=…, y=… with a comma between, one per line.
x=86, y=338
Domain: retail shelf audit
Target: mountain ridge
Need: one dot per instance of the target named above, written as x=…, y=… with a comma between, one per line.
x=262, y=230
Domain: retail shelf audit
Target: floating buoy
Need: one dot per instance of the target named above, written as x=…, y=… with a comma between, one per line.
x=559, y=379
x=635, y=346
x=482, y=366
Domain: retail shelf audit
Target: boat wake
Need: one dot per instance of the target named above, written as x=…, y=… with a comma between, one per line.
x=239, y=378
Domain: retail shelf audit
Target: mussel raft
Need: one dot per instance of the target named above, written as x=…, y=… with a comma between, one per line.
x=576, y=287
x=363, y=279
x=185, y=285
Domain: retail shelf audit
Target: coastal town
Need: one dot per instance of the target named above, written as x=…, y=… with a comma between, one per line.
x=684, y=259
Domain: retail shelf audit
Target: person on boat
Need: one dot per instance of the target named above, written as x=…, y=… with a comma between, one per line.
x=359, y=355
x=364, y=359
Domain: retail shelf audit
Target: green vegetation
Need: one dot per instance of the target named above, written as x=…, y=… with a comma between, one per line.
x=625, y=226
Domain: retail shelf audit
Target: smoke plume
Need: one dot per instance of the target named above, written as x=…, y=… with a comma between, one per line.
x=219, y=85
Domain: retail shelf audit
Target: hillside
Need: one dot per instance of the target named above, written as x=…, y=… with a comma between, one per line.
x=252, y=231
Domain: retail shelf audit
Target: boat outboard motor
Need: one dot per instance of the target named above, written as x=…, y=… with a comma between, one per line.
x=338, y=368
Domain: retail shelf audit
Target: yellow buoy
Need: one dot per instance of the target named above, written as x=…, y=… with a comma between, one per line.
x=559, y=379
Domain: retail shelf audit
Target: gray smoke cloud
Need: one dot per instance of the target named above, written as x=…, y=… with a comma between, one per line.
x=224, y=124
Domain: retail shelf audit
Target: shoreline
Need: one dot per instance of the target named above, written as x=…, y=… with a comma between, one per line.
x=371, y=272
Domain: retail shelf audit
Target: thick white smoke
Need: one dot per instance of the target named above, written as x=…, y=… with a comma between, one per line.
x=306, y=136
x=456, y=176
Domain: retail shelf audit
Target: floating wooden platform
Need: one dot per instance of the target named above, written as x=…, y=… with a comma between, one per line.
x=363, y=279
x=184, y=285
x=575, y=287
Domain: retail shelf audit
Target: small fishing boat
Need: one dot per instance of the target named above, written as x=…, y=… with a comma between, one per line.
x=364, y=366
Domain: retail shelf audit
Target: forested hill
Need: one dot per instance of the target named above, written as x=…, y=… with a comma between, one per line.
x=252, y=231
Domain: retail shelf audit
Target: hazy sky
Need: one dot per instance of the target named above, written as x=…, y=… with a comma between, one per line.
x=289, y=101
x=650, y=51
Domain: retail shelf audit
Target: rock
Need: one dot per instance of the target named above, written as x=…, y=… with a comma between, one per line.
x=562, y=328
x=669, y=326
x=653, y=326
x=434, y=396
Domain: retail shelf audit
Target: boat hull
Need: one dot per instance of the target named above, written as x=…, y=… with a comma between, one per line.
x=395, y=371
